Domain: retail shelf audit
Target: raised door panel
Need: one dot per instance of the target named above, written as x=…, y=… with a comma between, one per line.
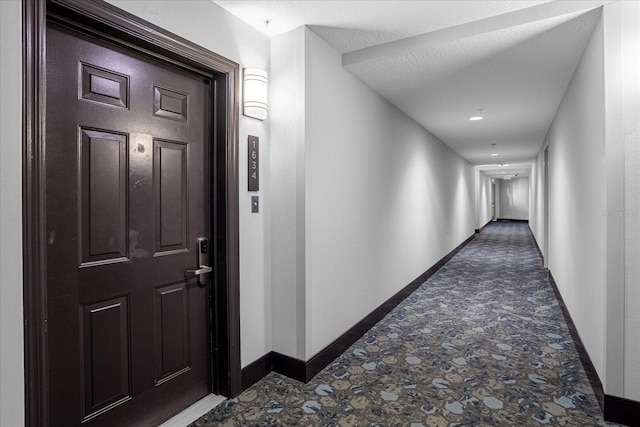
x=170, y=178
x=172, y=331
x=170, y=104
x=104, y=86
x=106, y=358
x=103, y=197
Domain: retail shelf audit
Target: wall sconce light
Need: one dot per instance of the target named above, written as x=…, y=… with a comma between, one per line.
x=255, y=93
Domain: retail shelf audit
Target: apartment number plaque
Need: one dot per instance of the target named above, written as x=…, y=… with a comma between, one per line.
x=254, y=163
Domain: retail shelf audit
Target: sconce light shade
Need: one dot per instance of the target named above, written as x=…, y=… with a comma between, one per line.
x=255, y=93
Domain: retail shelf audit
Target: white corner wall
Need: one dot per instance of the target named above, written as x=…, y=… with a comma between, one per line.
x=629, y=19
x=577, y=199
x=483, y=199
x=514, y=198
x=11, y=326
x=287, y=105
x=210, y=26
x=384, y=200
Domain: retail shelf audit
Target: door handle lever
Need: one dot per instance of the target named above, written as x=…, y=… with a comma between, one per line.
x=204, y=269
x=203, y=261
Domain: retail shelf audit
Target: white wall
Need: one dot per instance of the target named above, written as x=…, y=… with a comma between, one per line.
x=514, y=198
x=385, y=199
x=629, y=18
x=378, y=200
x=483, y=199
x=537, y=206
x=577, y=199
x=594, y=199
x=613, y=214
x=594, y=204
x=287, y=104
x=11, y=336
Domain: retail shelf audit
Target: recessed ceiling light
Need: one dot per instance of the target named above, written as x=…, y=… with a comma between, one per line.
x=478, y=117
x=494, y=154
x=506, y=164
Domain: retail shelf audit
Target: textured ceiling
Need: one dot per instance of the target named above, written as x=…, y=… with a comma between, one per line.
x=516, y=75
x=441, y=61
x=350, y=25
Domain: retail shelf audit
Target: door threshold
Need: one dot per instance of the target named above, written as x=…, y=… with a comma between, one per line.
x=195, y=411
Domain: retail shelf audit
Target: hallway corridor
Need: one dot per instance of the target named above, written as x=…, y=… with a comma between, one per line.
x=482, y=343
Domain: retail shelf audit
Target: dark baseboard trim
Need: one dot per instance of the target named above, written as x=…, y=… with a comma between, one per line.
x=276, y=362
x=537, y=245
x=336, y=348
x=290, y=367
x=305, y=371
x=587, y=364
x=479, y=230
x=513, y=220
x=256, y=371
x=621, y=410
x=615, y=409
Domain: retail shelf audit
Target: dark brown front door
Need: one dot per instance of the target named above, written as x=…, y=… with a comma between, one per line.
x=127, y=172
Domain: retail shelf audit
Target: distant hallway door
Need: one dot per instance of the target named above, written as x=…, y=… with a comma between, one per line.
x=493, y=200
x=127, y=197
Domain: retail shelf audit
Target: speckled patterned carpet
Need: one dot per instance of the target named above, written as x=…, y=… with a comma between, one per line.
x=481, y=343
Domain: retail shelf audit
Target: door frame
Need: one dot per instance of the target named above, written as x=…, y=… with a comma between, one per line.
x=128, y=30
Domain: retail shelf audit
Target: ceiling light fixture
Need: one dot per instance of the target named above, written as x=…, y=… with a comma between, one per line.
x=478, y=117
x=494, y=154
